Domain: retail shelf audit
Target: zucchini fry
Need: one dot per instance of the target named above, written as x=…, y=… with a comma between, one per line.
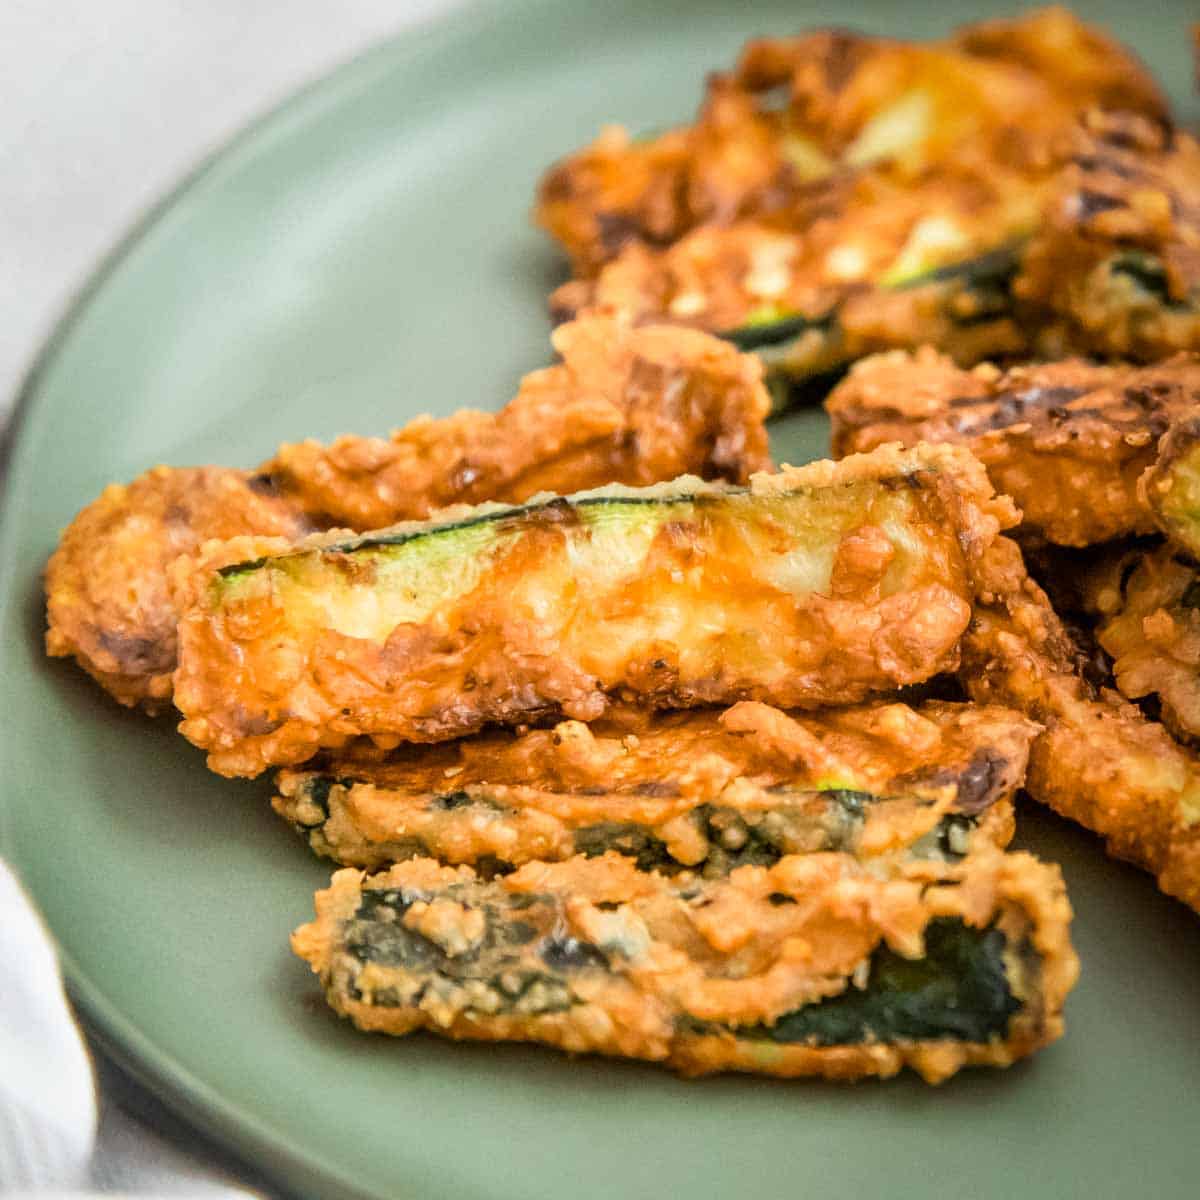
x=963, y=306
x=1147, y=601
x=819, y=585
x=815, y=966
x=1114, y=269
x=1069, y=441
x=840, y=195
x=703, y=791
x=1099, y=761
x=624, y=405
x=796, y=114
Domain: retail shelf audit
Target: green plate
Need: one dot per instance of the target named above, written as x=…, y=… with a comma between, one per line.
x=363, y=255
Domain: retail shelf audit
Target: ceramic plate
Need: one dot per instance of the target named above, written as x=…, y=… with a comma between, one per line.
x=361, y=256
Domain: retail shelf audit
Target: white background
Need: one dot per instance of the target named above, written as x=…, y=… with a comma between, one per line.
x=104, y=104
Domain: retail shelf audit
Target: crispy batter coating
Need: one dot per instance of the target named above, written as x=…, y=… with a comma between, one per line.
x=107, y=599
x=624, y=405
x=1147, y=601
x=1114, y=269
x=702, y=790
x=821, y=584
x=842, y=195
x=796, y=115
x=1068, y=441
x=815, y=966
x=1100, y=761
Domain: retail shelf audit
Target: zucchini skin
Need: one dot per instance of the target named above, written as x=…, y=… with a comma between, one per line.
x=696, y=791
x=966, y=309
x=933, y=966
x=820, y=584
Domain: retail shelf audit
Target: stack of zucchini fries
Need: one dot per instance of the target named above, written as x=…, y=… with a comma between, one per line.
x=636, y=775
x=627, y=743
x=654, y=771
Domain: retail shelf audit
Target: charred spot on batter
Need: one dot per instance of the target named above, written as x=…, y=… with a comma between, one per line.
x=264, y=484
x=983, y=780
x=139, y=655
x=562, y=952
x=1091, y=203
x=616, y=230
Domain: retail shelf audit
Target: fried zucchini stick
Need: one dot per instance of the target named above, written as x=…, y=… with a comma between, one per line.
x=1069, y=441
x=703, y=791
x=624, y=405
x=841, y=195
x=815, y=966
x=796, y=113
x=1100, y=761
x=819, y=585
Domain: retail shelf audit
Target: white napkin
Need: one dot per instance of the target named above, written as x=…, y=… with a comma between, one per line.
x=51, y=1143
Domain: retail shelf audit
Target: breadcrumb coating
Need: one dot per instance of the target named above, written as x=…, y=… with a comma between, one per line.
x=1147, y=604
x=1114, y=267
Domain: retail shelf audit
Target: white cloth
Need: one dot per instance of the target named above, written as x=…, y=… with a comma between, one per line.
x=52, y=1139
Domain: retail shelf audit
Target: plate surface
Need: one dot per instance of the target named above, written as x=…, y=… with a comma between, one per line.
x=361, y=256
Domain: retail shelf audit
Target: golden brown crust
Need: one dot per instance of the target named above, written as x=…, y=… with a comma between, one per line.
x=630, y=406
x=702, y=789
x=1083, y=60
x=1068, y=441
x=623, y=962
x=791, y=593
x=1100, y=761
x=108, y=602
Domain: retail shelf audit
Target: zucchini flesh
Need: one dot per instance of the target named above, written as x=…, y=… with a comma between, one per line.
x=692, y=594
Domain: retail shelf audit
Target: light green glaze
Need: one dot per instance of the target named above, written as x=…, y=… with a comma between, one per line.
x=362, y=256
